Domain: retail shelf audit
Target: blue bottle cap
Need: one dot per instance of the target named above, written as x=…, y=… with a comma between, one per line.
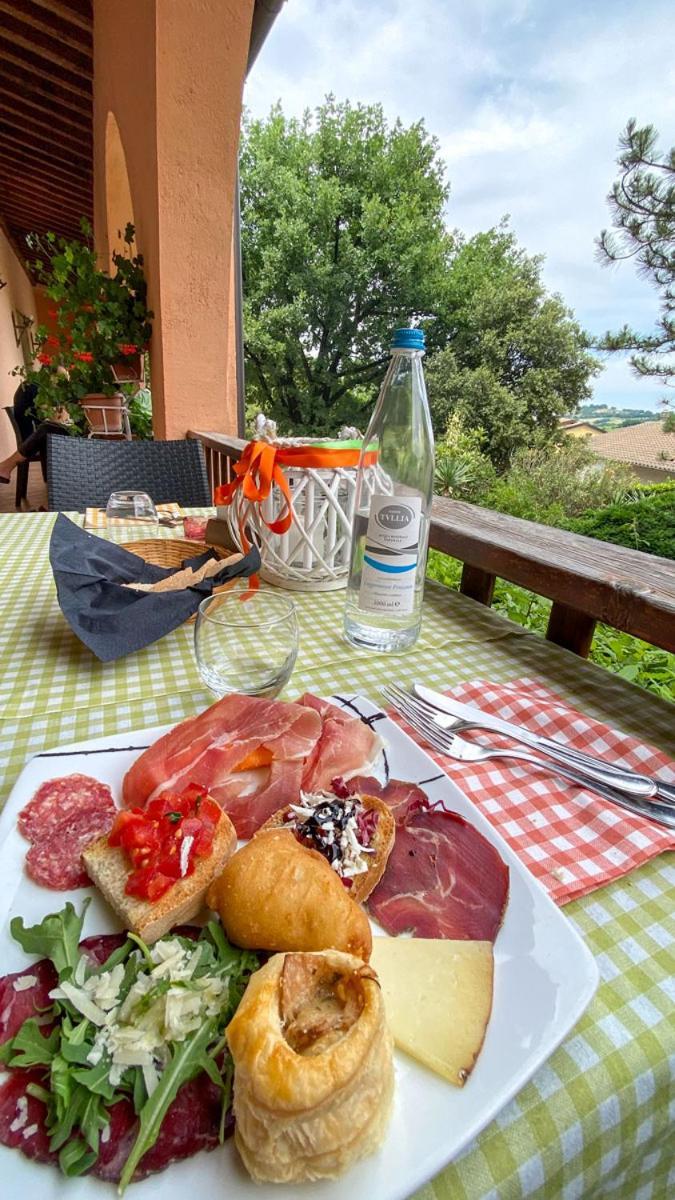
x=408, y=339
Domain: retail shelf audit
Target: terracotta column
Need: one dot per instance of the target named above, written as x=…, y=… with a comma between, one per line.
x=171, y=72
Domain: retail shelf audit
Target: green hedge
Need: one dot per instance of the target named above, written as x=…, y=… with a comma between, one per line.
x=646, y=524
x=621, y=653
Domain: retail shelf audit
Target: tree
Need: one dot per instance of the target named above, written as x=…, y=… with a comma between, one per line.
x=514, y=359
x=342, y=240
x=642, y=202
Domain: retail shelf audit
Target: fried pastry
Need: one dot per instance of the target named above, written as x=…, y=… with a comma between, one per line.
x=313, y=1069
x=275, y=894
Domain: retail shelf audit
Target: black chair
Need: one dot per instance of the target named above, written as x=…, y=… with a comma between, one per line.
x=23, y=469
x=82, y=472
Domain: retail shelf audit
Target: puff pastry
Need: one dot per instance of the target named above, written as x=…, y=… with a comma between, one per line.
x=313, y=1069
x=275, y=894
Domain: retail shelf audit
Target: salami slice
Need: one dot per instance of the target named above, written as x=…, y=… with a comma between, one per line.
x=55, y=861
x=58, y=800
x=23, y=994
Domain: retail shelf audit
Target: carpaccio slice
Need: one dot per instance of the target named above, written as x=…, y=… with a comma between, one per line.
x=443, y=878
x=58, y=800
x=23, y=994
x=54, y=861
x=22, y=1117
x=191, y=1124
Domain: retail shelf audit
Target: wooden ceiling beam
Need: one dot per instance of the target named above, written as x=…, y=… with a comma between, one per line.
x=31, y=85
x=46, y=48
x=28, y=166
x=50, y=26
x=29, y=185
x=51, y=115
x=33, y=128
x=37, y=70
x=82, y=19
x=43, y=149
x=53, y=208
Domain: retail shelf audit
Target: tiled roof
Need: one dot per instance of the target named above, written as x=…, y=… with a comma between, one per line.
x=639, y=444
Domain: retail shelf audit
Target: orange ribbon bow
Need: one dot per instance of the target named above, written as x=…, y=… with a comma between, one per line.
x=260, y=467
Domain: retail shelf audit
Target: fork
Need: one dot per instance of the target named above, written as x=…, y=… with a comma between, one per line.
x=450, y=744
x=630, y=783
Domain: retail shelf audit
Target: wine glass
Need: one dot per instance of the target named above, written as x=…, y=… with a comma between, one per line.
x=127, y=507
x=246, y=641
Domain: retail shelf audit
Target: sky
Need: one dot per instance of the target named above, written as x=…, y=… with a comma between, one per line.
x=527, y=99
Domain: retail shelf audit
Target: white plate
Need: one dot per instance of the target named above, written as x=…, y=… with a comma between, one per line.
x=544, y=978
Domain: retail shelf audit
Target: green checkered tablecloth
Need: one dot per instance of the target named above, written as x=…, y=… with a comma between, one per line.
x=596, y=1120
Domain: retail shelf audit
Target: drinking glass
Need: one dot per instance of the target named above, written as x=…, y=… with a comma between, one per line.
x=126, y=508
x=246, y=642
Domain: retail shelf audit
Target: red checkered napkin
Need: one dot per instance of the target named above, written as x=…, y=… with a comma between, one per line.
x=573, y=840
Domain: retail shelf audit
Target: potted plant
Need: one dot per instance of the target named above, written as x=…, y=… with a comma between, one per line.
x=101, y=328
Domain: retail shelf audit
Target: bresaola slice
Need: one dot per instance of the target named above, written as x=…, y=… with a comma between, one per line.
x=443, y=878
x=403, y=798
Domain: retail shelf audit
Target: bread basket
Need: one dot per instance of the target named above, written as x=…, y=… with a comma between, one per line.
x=172, y=552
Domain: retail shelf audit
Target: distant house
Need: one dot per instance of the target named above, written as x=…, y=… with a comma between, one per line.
x=577, y=428
x=647, y=448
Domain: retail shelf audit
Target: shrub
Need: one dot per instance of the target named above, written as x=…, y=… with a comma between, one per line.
x=647, y=524
x=554, y=483
x=463, y=470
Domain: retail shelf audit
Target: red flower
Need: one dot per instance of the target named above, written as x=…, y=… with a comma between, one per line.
x=127, y=348
x=52, y=341
x=51, y=312
x=84, y=356
x=45, y=359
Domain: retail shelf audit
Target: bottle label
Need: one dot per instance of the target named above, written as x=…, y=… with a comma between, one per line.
x=390, y=555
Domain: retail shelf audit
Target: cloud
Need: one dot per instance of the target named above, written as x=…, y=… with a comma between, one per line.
x=527, y=100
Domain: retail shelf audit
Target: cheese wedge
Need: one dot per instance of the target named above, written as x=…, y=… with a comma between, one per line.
x=438, y=998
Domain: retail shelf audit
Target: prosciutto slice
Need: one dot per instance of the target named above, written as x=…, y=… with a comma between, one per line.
x=346, y=745
x=443, y=878
x=208, y=749
x=254, y=755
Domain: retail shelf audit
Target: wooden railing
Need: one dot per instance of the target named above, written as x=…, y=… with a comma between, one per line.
x=587, y=580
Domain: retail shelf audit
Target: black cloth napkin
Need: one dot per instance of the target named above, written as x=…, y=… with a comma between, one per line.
x=113, y=620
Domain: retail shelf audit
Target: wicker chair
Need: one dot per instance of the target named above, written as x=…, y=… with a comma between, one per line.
x=82, y=473
x=23, y=469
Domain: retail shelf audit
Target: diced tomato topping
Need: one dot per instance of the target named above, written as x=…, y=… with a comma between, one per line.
x=148, y=884
x=152, y=838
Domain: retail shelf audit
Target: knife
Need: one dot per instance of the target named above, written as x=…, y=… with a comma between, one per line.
x=631, y=782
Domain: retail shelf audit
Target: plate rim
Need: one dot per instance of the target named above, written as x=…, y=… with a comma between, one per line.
x=437, y=1158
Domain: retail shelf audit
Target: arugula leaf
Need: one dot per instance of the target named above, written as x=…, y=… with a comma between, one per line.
x=76, y=1158
x=96, y=1080
x=140, y=1094
x=57, y=938
x=116, y=957
x=30, y=1047
x=185, y=1064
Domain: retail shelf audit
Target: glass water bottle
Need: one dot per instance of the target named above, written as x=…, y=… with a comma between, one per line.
x=392, y=510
